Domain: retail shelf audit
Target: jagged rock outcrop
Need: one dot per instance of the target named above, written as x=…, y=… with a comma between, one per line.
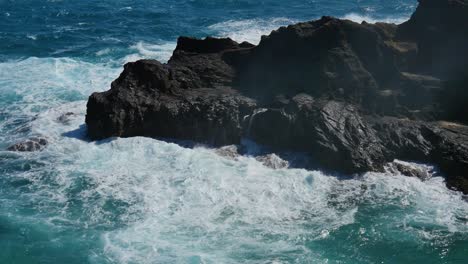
x=442, y=143
x=333, y=132
x=354, y=96
x=342, y=138
x=210, y=116
x=327, y=58
x=410, y=169
x=439, y=27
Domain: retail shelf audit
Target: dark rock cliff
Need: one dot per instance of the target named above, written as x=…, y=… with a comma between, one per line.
x=354, y=96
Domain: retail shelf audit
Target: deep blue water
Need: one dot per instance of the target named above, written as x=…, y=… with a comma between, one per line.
x=141, y=200
x=82, y=28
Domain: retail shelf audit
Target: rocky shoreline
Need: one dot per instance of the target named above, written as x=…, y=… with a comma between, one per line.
x=354, y=96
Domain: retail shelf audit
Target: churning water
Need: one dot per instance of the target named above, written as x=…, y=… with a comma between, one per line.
x=141, y=200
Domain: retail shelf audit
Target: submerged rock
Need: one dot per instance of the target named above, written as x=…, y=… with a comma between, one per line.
x=230, y=152
x=30, y=145
x=66, y=118
x=410, y=169
x=273, y=161
x=354, y=96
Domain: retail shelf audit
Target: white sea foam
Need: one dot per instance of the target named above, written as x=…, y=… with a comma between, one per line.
x=33, y=85
x=241, y=30
x=103, y=52
x=191, y=205
x=161, y=52
x=31, y=36
x=111, y=39
x=127, y=8
x=249, y=30
x=161, y=203
x=46, y=82
x=371, y=19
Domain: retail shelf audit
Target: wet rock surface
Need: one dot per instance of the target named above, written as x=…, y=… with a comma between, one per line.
x=353, y=96
x=65, y=118
x=410, y=169
x=273, y=161
x=230, y=152
x=30, y=145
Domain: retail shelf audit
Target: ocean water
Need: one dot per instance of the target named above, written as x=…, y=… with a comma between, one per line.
x=140, y=200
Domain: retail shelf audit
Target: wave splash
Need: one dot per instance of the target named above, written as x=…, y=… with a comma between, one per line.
x=249, y=30
x=161, y=52
x=372, y=19
x=150, y=201
x=141, y=200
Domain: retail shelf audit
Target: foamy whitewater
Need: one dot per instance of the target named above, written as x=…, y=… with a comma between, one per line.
x=141, y=200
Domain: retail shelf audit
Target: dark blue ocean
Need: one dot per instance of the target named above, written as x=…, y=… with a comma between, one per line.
x=141, y=200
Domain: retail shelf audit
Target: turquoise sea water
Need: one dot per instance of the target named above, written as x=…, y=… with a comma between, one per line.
x=141, y=200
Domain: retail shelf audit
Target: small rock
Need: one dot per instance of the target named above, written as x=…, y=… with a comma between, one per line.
x=273, y=161
x=231, y=152
x=409, y=169
x=30, y=145
x=65, y=118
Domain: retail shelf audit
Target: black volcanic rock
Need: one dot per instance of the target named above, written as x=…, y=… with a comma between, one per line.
x=440, y=30
x=327, y=58
x=354, y=96
x=333, y=132
x=410, y=170
x=442, y=143
x=208, y=45
x=454, y=98
x=156, y=100
x=30, y=145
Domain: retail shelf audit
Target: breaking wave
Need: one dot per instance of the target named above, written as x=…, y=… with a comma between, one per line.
x=249, y=30
x=140, y=200
x=372, y=19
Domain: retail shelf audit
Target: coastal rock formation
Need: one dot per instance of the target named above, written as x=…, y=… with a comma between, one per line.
x=189, y=98
x=439, y=29
x=354, y=96
x=333, y=132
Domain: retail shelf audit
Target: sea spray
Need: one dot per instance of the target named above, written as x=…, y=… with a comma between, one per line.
x=141, y=200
